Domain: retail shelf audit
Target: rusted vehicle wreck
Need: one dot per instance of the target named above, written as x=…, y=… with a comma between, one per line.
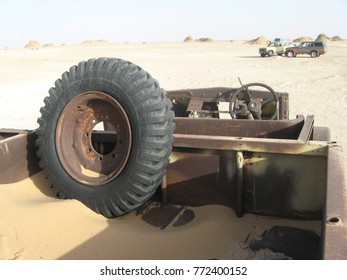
x=109, y=136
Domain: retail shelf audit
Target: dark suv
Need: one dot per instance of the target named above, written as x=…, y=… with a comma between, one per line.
x=313, y=48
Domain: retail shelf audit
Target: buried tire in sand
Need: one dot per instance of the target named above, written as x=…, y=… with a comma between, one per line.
x=105, y=135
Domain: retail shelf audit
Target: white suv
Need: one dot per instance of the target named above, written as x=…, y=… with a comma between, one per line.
x=276, y=48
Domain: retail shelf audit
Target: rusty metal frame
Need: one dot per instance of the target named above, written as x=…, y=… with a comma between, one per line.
x=284, y=137
x=334, y=229
x=296, y=137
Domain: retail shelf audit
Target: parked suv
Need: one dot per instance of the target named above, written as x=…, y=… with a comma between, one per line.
x=275, y=48
x=314, y=49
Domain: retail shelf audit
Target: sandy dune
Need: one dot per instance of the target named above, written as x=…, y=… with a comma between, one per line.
x=33, y=225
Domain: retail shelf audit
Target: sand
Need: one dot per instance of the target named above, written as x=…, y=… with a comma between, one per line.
x=34, y=225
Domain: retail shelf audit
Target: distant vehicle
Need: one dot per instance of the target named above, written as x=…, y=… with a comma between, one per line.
x=277, y=47
x=313, y=48
x=279, y=40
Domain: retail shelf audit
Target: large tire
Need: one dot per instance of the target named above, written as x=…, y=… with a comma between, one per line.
x=121, y=175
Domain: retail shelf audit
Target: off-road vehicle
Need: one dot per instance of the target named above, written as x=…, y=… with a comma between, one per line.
x=314, y=49
x=275, y=48
x=109, y=136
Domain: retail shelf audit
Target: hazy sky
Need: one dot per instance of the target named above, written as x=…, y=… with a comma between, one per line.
x=73, y=21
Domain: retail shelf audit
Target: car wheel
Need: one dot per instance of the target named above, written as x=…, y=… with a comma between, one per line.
x=290, y=53
x=105, y=135
x=313, y=54
x=270, y=53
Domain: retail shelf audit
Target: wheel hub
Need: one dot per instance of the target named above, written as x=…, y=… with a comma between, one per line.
x=93, y=138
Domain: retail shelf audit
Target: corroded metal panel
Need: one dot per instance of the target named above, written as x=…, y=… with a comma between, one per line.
x=335, y=217
x=17, y=155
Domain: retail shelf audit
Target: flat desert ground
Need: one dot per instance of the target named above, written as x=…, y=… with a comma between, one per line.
x=34, y=225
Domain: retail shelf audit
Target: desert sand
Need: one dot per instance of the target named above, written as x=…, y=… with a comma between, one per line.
x=34, y=225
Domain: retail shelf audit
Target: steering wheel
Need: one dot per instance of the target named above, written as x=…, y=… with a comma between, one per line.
x=250, y=107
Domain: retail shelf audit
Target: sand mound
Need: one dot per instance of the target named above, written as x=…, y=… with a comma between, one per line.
x=323, y=38
x=205, y=40
x=336, y=38
x=93, y=42
x=188, y=39
x=303, y=39
x=258, y=41
x=191, y=39
x=33, y=45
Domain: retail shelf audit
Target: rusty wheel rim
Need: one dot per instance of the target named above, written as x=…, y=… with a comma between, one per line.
x=85, y=152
